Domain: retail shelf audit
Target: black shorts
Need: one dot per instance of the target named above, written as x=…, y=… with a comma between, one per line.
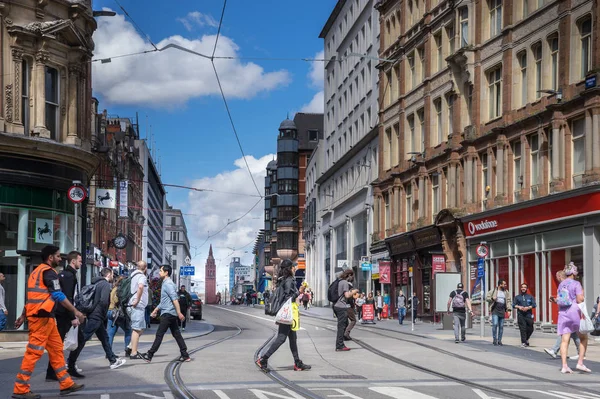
x=379, y=310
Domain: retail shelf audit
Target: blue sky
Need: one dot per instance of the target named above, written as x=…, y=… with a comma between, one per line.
x=176, y=94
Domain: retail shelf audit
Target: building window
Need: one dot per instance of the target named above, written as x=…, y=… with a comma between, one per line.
x=174, y=261
x=464, y=26
x=421, y=143
x=287, y=213
x=439, y=131
x=288, y=186
x=25, y=84
x=313, y=135
x=174, y=250
x=267, y=214
x=518, y=173
x=484, y=175
x=585, y=31
x=421, y=52
x=411, y=136
x=287, y=240
x=578, y=132
x=495, y=17
x=523, y=65
x=388, y=215
x=435, y=194
x=409, y=205
x=173, y=221
x=534, y=148
x=537, y=56
x=52, y=102
x=412, y=76
x=525, y=8
x=450, y=104
x=287, y=159
x=439, y=53
x=554, y=58
x=495, y=92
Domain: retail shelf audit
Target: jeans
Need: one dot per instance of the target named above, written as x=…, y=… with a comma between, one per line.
x=401, y=315
x=497, y=327
x=414, y=315
x=91, y=327
x=459, y=326
x=351, y=321
x=112, y=327
x=525, y=327
x=285, y=331
x=168, y=321
x=359, y=310
x=574, y=337
x=342, y=318
x=183, y=323
x=2, y=320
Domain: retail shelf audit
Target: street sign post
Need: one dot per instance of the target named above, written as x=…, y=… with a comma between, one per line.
x=482, y=253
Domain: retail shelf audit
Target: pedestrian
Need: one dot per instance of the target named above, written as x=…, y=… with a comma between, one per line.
x=137, y=306
x=555, y=350
x=65, y=319
x=117, y=320
x=569, y=295
x=351, y=316
x=459, y=301
x=148, y=308
x=379, y=307
x=360, y=301
x=287, y=271
x=305, y=300
x=96, y=322
x=340, y=308
x=414, y=305
x=3, y=309
x=524, y=303
x=500, y=302
x=401, y=303
x=185, y=301
x=43, y=292
x=170, y=312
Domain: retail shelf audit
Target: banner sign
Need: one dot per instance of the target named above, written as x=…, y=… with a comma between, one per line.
x=123, y=205
x=438, y=264
x=385, y=272
x=106, y=198
x=375, y=270
x=368, y=312
x=44, y=231
x=365, y=266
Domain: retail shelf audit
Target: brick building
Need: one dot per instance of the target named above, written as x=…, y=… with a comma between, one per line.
x=489, y=131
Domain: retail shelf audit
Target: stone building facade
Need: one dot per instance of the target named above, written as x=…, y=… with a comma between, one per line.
x=45, y=133
x=487, y=107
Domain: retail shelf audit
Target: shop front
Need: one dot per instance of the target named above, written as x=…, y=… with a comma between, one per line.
x=530, y=242
x=415, y=260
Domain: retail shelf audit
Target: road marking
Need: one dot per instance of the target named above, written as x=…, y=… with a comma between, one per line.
x=256, y=317
x=221, y=394
x=559, y=394
x=483, y=395
x=401, y=393
x=167, y=395
x=260, y=394
x=104, y=396
x=343, y=394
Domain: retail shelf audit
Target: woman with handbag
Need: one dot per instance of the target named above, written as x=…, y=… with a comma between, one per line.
x=569, y=296
x=287, y=270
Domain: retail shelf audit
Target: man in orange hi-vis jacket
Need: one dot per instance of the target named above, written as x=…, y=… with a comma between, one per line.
x=43, y=291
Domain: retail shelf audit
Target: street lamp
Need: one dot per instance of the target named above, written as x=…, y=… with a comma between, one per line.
x=103, y=13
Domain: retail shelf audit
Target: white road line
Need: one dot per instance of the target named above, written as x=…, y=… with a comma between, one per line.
x=400, y=393
x=221, y=394
x=105, y=396
x=256, y=317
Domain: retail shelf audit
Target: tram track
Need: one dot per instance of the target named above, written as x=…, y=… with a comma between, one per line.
x=454, y=356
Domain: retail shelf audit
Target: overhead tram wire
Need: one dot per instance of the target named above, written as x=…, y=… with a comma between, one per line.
x=136, y=25
x=219, y=30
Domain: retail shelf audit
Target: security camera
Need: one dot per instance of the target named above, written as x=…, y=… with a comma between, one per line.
x=413, y=159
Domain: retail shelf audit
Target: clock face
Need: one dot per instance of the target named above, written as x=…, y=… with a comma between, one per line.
x=120, y=241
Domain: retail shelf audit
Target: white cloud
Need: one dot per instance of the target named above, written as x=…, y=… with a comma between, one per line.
x=316, y=74
x=172, y=77
x=196, y=18
x=316, y=105
x=214, y=209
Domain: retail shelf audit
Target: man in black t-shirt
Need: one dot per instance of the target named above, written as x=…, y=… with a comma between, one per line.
x=459, y=301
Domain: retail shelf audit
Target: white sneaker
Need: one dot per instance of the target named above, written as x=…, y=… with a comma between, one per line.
x=551, y=353
x=118, y=363
x=76, y=368
x=576, y=357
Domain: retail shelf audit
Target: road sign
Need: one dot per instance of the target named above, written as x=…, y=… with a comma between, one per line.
x=365, y=266
x=188, y=260
x=480, y=267
x=187, y=271
x=482, y=251
x=410, y=271
x=76, y=194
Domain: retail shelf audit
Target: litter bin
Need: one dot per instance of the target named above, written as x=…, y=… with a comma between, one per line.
x=447, y=321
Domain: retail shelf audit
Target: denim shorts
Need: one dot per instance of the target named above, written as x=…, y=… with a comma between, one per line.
x=137, y=317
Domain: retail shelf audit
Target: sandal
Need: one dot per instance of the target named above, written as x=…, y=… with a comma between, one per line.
x=566, y=370
x=583, y=368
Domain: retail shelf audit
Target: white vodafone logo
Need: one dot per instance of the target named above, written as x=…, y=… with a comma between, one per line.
x=481, y=226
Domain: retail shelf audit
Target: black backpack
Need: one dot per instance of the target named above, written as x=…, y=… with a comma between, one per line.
x=85, y=300
x=332, y=293
x=275, y=301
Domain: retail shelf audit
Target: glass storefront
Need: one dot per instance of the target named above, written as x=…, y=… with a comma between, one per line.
x=359, y=240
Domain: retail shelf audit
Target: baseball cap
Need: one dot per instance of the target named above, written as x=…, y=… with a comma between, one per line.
x=459, y=285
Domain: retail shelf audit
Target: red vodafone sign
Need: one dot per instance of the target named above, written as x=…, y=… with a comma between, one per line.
x=565, y=208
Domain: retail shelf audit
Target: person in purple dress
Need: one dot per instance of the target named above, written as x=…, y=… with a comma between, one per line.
x=569, y=295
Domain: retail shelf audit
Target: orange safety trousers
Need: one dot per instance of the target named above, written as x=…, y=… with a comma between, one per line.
x=43, y=334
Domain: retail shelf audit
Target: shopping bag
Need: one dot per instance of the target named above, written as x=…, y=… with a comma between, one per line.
x=585, y=324
x=284, y=315
x=71, y=339
x=295, y=317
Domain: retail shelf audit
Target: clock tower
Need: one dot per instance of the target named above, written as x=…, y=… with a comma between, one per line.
x=210, y=271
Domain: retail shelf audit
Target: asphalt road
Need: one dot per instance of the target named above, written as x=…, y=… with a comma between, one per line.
x=383, y=367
